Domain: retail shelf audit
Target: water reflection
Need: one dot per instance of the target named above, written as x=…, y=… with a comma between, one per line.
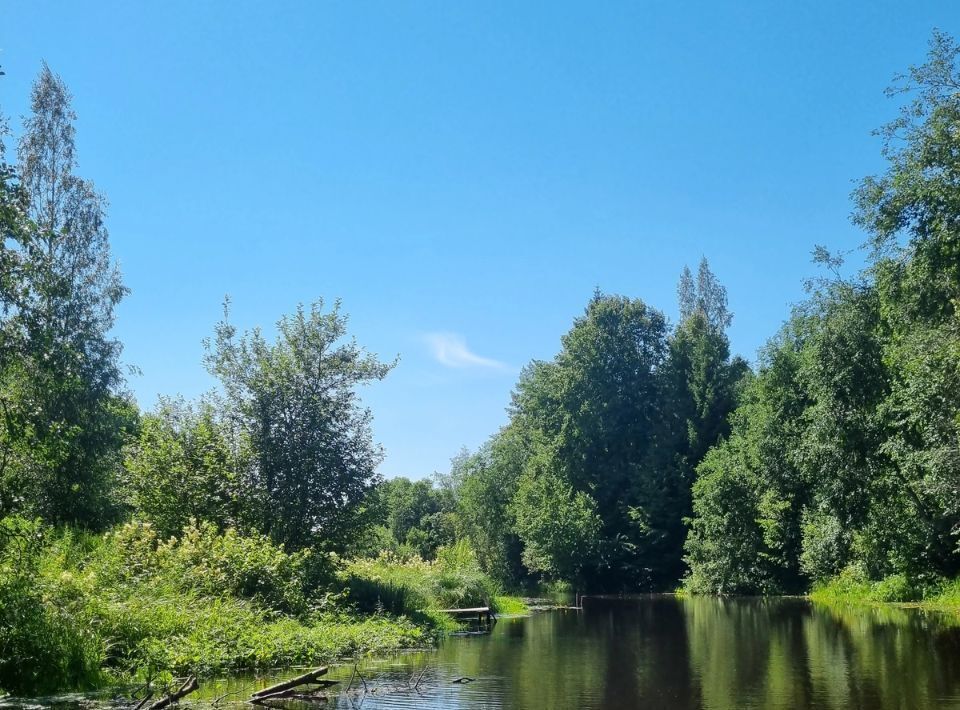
x=664, y=652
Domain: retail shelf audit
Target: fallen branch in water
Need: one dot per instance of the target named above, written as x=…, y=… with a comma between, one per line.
x=291, y=694
x=274, y=690
x=220, y=698
x=295, y=693
x=357, y=674
x=188, y=687
x=419, y=678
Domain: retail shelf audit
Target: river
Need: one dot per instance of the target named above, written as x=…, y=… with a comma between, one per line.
x=668, y=652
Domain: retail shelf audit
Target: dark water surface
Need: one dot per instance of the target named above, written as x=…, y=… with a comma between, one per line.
x=665, y=652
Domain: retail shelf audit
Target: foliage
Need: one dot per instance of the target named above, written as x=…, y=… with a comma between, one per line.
x=848, y=445
x=415, y=587
x=204, y=561
x=558, y=525
x=312, y=457
x=182, y=467
x=44, y=645
x=590, y=481
x=726, y=548
x=419, y=516
x=486, y=483
x=590, y=417
x=87, y=608
x=64, y=416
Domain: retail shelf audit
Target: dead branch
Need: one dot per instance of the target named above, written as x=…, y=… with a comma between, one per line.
x=310, y=677
x=188, y=687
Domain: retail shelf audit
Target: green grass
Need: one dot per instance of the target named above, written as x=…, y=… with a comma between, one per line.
x=948, y=595
x=412, y=587
x=79, y=611
x=852, y=586
x=503, y=604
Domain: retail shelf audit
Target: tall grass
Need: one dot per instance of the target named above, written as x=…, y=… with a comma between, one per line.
x=853, y=585
x=79, y=611
x=44, y=643
x=410, y=586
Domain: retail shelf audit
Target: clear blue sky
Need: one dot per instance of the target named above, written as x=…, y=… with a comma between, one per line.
x=461, y=174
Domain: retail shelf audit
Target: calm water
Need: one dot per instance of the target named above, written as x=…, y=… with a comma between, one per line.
x=663, y=652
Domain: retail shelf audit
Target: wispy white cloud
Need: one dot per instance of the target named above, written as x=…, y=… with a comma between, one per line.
x=450, y=350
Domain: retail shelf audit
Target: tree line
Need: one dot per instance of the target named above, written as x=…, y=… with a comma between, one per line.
x=642, y=455
x=282, y=447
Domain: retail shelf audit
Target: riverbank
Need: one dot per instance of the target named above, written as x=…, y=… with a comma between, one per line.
x=853, y=587
x=81, y=611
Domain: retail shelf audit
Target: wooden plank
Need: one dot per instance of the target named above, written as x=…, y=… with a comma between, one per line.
x=475, y=610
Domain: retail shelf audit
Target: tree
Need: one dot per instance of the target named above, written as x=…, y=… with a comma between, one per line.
x=14, y=231
x=594, y=413
x=749, y=494
x=486, y=484
x=726, y=549
x=911, y=215
x=60, y=379
x=182, y=467
x=846, y=450
x=313, y=460
x=418, y=515
x=559, y=526
x=704, y=295
x=701, y=388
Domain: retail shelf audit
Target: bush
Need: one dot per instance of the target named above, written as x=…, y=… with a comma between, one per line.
x=181, y=467
x=412, y=586
x=43, y=646
x=824, y=545
x=207, y=562
x=854, y=585
x=78, y=610
x=896, y=588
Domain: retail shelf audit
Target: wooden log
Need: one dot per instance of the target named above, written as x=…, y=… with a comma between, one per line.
x=292, y=692
x=310, y=677
x=188, y=687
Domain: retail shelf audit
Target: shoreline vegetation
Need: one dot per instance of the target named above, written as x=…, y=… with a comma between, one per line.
x=852, y=586
x=249, y=529
x=127, y=606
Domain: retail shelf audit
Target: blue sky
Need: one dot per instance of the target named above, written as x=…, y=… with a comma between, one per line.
x=461, y=174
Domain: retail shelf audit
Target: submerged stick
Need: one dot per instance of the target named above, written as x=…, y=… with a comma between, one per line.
x=188, y=687
x=310, y=677
x=419, y=678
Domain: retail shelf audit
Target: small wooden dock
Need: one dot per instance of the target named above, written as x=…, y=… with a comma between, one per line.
x=483, y=613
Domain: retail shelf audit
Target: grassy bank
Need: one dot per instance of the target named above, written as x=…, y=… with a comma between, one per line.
x=81, y=611
x=416, y=588
x=852, y=586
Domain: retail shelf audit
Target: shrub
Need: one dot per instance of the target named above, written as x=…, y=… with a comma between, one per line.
x=43, y=647
x=412, y=586
x=78, y=610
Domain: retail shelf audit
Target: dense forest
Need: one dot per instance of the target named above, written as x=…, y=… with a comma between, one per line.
x=641, y=454
x=252, y=526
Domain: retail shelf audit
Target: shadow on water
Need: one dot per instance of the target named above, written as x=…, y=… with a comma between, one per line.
x=661, y=652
